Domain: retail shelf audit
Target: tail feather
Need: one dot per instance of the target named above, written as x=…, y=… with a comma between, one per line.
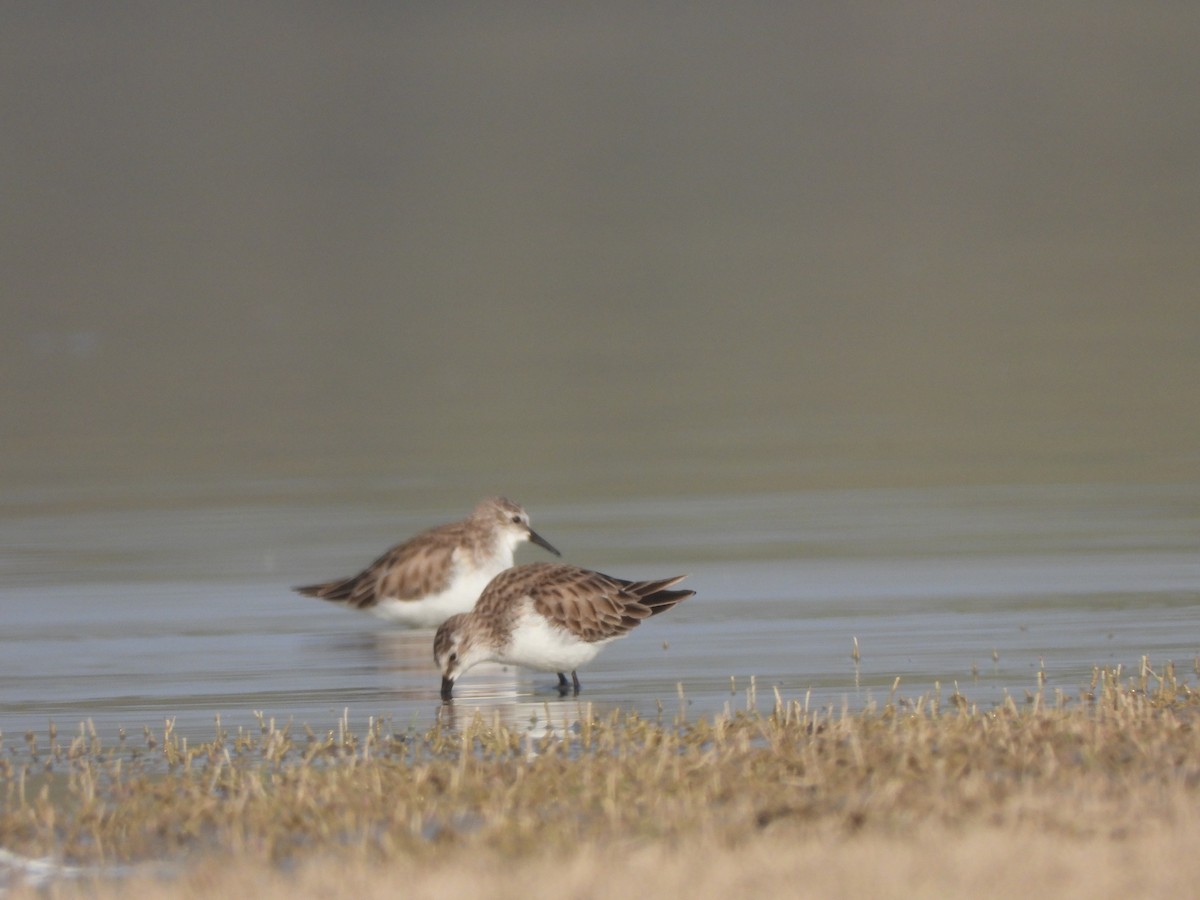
x=655, y=596
x=661, y=601
x=333, y=591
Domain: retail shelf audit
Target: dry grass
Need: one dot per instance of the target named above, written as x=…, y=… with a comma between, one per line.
x=925, y=798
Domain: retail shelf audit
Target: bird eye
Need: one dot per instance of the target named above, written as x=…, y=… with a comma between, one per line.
x=453, y=657
x=517, y=519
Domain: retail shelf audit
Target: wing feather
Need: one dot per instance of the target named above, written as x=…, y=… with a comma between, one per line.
x=590, y=605
x=418, y=567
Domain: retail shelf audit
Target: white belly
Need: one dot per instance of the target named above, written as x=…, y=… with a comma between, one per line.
x=536, y=644
x=434, y=609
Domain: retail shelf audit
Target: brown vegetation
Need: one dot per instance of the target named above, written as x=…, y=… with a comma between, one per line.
x=922, y=797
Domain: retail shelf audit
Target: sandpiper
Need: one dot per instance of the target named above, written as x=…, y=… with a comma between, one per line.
x=549, y=617
x=439, y=572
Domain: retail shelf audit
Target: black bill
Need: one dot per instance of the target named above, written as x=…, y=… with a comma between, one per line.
x=536, y=538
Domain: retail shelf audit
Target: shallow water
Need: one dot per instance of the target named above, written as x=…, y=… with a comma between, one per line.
x=662, y=276
x=166, y=607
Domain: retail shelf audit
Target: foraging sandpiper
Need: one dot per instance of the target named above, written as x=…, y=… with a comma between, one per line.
x=547, y=616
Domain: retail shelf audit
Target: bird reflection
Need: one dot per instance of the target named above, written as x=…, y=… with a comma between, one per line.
x=399, y=663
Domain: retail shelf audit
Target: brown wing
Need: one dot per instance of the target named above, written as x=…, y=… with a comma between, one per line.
x=420, y=566
x=654, y=594
x=590, y=605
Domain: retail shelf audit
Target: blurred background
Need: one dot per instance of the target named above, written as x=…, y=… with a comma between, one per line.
x=880, y=320
x=599, y=248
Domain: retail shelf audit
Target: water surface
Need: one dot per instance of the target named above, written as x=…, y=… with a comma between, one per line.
x=130, y=616
x=881, y=324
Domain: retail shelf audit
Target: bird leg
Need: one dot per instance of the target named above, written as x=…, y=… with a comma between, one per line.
x=565, y=687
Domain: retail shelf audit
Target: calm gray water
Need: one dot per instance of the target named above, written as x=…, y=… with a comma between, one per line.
x=879, y=321
x=130, y=616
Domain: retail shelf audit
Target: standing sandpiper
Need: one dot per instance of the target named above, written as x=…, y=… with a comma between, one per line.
x=439, y=572
x=549, y=617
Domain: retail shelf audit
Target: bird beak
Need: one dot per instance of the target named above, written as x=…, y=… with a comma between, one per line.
x=535, y=538
x=447, y=689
